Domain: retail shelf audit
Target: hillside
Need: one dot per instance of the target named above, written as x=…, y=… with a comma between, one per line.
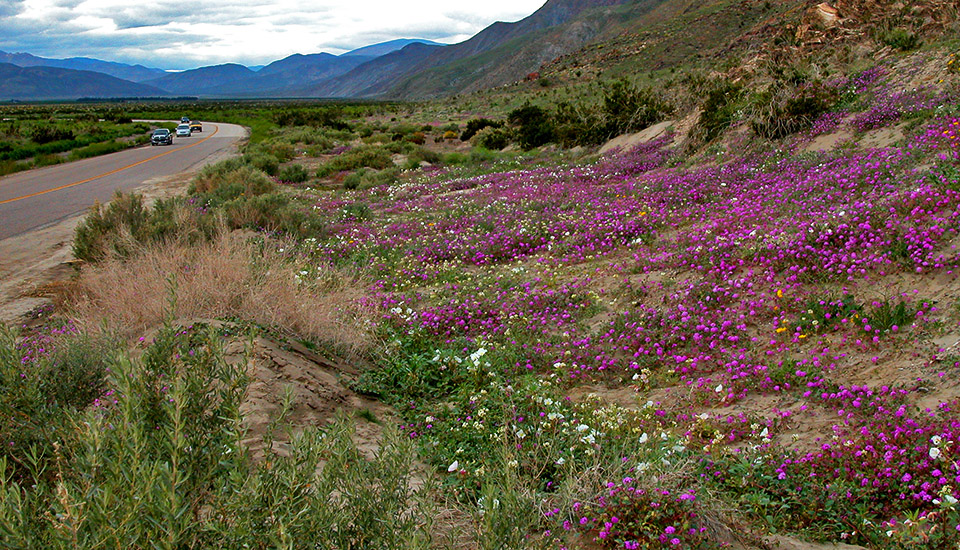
x=380, y=78
x=43, y=83
x=133, y=73
x=200, y=81
x=478, y=323
x=285, y=77
x=518, y=54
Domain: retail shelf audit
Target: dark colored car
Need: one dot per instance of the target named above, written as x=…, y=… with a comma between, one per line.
x=161, y=136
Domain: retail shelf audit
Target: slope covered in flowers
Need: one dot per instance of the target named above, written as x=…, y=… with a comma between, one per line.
x=786, y=313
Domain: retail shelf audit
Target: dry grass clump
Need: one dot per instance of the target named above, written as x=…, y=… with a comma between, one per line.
x=229, y=276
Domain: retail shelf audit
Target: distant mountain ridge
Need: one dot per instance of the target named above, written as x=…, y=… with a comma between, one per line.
x=383, y=48
x=133, y=73
x=45, y=83
x=197, y=81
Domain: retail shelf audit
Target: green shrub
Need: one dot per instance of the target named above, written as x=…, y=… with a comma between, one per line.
x=719, y=110
x=324, y=117
x=271, y=212
x=628, y=109
x=49, y=133
x=477, y=124
x=365, y=178
x=493, y=139
x=361, y=157
x=228, y=180
x=97, y=149
x=114, y=229
x=46, y=381
x=162, y=465
x=295, y=173
x=455, y=158
x=577, y=124
x=900, y=39
x=424, y=155
x=782, y=111
x=262, y=161
x=449, y=127
x=401, y=147
x=533, y=124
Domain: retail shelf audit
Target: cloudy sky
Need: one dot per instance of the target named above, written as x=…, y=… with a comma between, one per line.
x=183, y=34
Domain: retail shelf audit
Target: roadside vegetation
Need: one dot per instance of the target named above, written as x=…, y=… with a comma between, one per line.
x=745, y=327
x=35, y=136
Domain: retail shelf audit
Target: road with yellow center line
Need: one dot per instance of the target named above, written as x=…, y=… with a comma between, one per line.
x=33, y=199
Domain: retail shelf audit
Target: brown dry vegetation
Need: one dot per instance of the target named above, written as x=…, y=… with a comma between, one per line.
x=230, y=277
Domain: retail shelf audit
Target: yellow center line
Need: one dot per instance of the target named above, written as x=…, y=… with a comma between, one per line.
x=122, y=168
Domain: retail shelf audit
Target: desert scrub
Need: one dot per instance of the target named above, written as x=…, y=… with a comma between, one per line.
x=630, y=109
x=533, y=126
x=229, y=276
x=369, y=156
x=227, y=195
x=114, y=229
x=246, y=197
x=294, y=173
x=365, y=178
x=785, y=109
x=228, y=180
x=271, y=212
x=493, y=138
x=47, y=378
x=719, y=110
x=161, y=463
x=477, y=124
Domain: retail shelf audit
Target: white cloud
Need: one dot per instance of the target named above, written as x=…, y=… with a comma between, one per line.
x=181, y=34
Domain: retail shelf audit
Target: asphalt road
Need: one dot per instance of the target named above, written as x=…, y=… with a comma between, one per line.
x=36, y=198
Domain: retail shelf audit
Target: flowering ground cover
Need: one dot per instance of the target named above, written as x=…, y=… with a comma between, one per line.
x=778, y=310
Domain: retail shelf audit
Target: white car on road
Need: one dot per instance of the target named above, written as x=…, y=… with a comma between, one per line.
x=183, y=130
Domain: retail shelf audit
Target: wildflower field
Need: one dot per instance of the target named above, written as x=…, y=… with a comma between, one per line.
x=649, y=350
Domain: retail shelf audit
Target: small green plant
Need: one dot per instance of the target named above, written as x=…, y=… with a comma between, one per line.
x=887, y=316
x=819, y=315
x=900, y=39
x=368, y=415
x=294, y=173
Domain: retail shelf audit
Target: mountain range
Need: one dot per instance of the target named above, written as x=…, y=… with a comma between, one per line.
x=403, y=69
x=649, y=35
